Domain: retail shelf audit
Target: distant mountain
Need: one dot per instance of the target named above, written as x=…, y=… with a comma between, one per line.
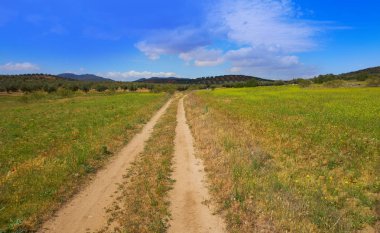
x=85, y=77
x=222, y=79
x=204, y=80
x=165, y=80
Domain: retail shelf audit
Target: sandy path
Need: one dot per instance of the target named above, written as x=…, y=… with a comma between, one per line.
x=188, y=213
x=86, y=212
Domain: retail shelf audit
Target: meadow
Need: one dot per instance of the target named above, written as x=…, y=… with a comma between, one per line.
x=50, y=145
x=291, y=159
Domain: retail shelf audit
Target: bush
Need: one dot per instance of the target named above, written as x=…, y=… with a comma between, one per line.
x=52, y=89
x=101, y=88
x=252, y=83
x=304, y=82
x=33, y=96
x=124, y=87
x=334, y=83
x=73, y=87
x=132, y=88
x=324, y=78
x=280, y=83
x=362, y=77
x=11, y=88
x=63, y=92
x=26, y=88
x=85, y=88
x=373, y=82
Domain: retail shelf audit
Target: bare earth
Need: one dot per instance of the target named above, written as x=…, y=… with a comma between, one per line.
x=86, y=212
x=189, y=213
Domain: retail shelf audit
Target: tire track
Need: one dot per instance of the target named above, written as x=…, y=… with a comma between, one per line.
x=189, y=214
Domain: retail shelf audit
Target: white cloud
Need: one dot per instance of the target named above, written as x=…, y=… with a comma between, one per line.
x=180, y=40
x=270, y=23
x=24, y=66
x=151, y=51
x=133, y=75
x=265, y=63
x=256, y=57
x=259, y=37
x=203, y=56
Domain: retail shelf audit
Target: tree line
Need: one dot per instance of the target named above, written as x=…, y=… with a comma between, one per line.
x=28, y=83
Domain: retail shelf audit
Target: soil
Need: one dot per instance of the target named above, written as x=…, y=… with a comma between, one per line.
x=190, y=214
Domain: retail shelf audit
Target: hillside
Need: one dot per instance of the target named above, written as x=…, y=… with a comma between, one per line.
x=373, y=71
x=359, y=75
x=33, y=77
x=173, y=80
x=85, y=77
x=223, y=79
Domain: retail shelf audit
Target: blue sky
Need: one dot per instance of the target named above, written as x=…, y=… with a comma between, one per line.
x=125, y=40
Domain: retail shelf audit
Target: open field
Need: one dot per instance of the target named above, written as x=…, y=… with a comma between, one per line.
x=49, y=146
x=290, y=159
x=275, y=159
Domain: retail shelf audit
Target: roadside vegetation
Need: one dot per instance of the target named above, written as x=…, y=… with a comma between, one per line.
x=143, y=204
x=291, y=159
x=50, y=144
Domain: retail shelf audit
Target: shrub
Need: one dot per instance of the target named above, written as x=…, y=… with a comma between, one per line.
x=280, y=83
x=101, y=88
x=51, y=89
x=63, y=92
x=26, y=88
x=334, y=83
x=73, y=87
x=304, y=82
x=124, y=87
x=182, y=88
x=252, y=83
x=11, y=88
x=132, y=88
x=362, y=77
x=85, y=88
x=373, y=82
x=324, y=78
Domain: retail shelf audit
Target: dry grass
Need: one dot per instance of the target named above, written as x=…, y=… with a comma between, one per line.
x=143, y=204
x=283, y=159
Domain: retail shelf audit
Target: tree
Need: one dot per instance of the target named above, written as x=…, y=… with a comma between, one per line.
x=101, y=88
x=252, y=83
x=362, y=77
x=304, y=82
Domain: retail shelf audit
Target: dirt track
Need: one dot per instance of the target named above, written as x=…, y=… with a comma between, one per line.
x=189, y=213
x=86, y=212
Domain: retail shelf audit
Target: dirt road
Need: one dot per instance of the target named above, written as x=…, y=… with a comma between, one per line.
x=188, y=213
x=86, y=212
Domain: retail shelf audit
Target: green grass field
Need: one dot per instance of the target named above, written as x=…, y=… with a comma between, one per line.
x=291, y=159
x=49, y=145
